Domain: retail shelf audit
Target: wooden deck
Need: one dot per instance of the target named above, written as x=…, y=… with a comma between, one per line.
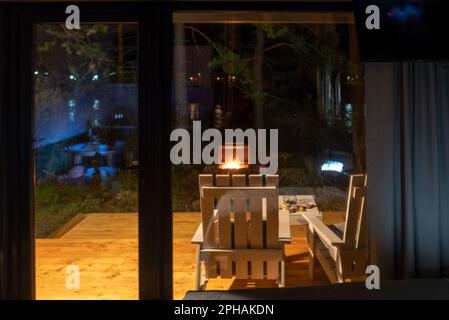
x=104, y=247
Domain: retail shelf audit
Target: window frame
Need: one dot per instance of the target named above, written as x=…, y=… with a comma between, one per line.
x=17, y=257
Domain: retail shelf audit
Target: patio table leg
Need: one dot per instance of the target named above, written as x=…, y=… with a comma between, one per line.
x=282, y=284
x=311, y=239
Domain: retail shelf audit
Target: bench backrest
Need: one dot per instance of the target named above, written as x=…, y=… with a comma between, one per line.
x=355, y=235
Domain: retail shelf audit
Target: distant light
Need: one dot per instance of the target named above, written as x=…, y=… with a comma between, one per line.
x=95, y=77
x=335, y=166
x=36, y=73
x=72, y=110
x=46, y=73
x=72, y=77
x=96, y=105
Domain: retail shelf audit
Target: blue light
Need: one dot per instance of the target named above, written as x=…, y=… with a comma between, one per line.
x=72, y=110
x=404, y=13
x=335, y=166
x=96, y=105
x=105, y=172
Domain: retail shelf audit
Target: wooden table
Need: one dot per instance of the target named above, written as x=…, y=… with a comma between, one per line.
x=296, y=218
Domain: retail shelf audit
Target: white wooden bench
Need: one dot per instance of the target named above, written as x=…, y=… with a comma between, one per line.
x=343, y=257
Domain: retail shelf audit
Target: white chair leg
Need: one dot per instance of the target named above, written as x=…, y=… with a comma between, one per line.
x=198, y=269
x=311, y=266
x=282, y=282
x=339, y=269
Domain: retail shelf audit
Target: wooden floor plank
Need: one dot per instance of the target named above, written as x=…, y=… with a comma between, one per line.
x=104, y=247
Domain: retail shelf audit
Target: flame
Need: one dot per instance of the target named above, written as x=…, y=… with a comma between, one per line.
x=231, y=165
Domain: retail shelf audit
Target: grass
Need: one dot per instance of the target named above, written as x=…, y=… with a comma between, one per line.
x=185, y=192
x=57, y=203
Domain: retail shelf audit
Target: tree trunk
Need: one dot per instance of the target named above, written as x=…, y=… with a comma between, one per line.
x=357, y=95
x=258, y=79
x=180, y=77
x=120, y=49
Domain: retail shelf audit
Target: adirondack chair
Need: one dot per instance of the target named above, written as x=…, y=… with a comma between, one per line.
x=243, y=235
x=341, y=249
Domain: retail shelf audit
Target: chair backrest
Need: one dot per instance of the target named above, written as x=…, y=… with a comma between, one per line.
x=355, y=235
x=233, y=211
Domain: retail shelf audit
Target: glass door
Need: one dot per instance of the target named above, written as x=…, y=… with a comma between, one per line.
x=86, y=147
x=295, y=81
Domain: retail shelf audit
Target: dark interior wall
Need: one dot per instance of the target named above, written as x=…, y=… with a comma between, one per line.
x=16, y=178
x=173, y=1
x=2, y=154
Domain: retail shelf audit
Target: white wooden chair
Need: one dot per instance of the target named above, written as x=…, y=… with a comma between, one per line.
x=242, y=233
x=341, y=250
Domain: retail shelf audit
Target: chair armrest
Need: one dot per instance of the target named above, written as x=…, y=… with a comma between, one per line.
x=284, y=227
x=198, y=236
x=323, y=231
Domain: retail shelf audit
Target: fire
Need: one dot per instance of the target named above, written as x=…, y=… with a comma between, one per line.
x=231, y=165
x=237, y=160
